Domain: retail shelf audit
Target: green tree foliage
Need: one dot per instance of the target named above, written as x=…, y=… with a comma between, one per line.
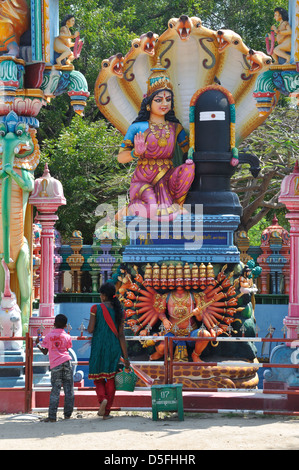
x=251, y=19
x=81, y=152
x=108, y=27
x=276, y=143
x=83, y=158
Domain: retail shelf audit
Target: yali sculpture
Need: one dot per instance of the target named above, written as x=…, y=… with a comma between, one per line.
x=19, y=156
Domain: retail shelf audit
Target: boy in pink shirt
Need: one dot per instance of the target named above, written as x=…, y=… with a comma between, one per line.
x=57, y=343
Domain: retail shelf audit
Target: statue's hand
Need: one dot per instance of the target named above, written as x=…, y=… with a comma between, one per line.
x=139, y=143
x=245, y=290
x=234, y=161
x=167, y=324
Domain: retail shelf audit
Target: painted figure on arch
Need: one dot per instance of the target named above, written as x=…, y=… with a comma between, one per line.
x=283, y=34
x=158, y=189
x=63, y=43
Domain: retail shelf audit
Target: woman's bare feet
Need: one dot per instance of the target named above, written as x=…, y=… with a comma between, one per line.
x=102, y=408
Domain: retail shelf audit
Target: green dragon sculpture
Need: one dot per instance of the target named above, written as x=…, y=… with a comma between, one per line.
x=19, y=156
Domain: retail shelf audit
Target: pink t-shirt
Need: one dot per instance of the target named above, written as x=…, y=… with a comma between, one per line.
x=57, y=342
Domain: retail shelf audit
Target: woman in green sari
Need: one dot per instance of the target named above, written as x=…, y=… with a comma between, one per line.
x=108, y=344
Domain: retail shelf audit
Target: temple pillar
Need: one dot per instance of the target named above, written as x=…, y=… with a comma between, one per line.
x=76, y=261
x=289, y=196
x=47, y=196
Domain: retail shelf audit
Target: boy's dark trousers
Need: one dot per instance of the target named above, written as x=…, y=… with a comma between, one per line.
x=62, y=375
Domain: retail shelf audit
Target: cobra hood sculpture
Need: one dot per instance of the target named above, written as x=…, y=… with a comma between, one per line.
x=194, y=57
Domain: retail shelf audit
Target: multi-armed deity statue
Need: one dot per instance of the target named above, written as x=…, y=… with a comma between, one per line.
x=183, y=101
x=197, y=88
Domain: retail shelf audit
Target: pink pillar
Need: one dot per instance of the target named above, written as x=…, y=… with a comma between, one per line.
x=47, y=196
x=46, y=306
x=289, y=196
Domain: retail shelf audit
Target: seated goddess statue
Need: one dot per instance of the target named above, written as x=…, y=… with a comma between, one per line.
x=158, y=189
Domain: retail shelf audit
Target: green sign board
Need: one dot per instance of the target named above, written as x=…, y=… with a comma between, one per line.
x=167, y=398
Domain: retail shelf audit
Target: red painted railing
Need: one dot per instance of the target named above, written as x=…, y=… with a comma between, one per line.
x=28, y=364
x=169, y=364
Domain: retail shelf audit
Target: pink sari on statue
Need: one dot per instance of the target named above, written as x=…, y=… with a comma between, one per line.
x=157, y=188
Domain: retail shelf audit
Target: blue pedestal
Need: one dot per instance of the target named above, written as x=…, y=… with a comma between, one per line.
x=189, y=238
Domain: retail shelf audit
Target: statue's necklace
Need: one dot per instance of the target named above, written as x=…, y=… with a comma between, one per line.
x=162, y=134
x=180, y=305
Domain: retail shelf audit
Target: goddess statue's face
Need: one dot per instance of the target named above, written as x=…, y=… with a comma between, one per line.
x=161, y=103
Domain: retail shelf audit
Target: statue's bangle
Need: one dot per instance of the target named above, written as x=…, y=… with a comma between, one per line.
x=162, y=316
x=134, y=156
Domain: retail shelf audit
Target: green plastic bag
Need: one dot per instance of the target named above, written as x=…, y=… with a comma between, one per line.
x=125, y=380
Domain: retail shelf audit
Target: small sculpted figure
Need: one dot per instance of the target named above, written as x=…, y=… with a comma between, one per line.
x=10, y=314
x=63, y=43
x=247, y=286
x=283, y=33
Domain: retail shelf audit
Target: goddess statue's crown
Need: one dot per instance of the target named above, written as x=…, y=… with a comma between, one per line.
x=158, y=80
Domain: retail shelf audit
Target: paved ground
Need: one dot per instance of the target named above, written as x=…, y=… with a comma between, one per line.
x=137, y=431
